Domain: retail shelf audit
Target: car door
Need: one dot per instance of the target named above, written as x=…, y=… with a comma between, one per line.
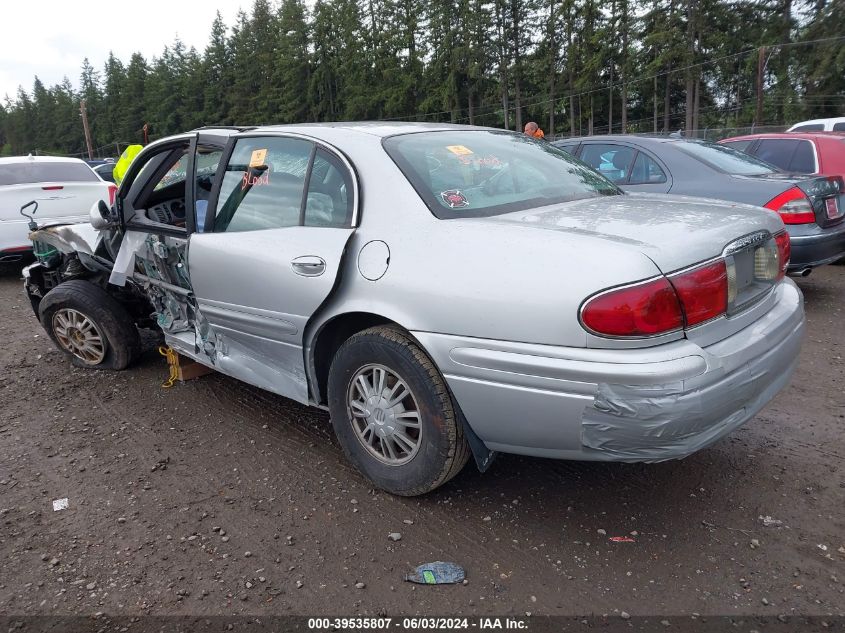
x=269, y=252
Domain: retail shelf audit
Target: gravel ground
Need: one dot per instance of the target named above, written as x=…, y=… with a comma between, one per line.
x=214, y=497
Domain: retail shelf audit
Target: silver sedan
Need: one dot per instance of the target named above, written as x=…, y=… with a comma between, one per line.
x=445, y=292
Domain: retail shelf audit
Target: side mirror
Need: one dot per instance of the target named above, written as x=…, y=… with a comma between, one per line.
x=99, y=215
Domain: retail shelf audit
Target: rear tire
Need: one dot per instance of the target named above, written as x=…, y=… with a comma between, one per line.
x=405, y=445
x=89, y=325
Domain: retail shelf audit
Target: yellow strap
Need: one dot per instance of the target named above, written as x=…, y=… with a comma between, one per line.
x=172, y=362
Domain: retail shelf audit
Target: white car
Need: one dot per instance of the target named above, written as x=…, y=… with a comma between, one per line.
x=65, y=189
x=833, y=124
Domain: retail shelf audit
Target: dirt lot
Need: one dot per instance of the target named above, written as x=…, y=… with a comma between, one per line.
x=213, y=497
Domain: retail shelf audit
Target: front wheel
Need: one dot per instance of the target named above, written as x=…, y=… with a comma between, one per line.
x=89, y=325
x=393, y=413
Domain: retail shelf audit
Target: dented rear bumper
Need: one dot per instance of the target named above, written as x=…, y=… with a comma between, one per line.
x=650, y=404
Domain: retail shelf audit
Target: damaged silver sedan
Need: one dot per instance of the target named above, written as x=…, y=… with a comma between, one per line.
x=445, y=292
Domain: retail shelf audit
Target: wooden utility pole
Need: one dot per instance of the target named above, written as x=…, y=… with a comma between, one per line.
x=87, y=129
x=761, y=62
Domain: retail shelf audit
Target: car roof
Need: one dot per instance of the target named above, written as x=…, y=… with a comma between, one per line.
x=830, y=119
x=40, y=159
x=381, y=129
x=645, y=139
x=810, y=136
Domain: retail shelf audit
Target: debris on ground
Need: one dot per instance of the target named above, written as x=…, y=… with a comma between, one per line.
x=622, y=539
x=437, y=573
x=769, y=521
x=60, y=504
x=394, y=536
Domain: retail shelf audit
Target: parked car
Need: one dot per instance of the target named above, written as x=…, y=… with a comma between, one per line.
x=833, y=124
x=441, y=290
x=65, y=189
x=796, y=152
x=105, y=170
x=812, y=207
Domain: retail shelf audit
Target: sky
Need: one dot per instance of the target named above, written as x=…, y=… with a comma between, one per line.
x=50, y=38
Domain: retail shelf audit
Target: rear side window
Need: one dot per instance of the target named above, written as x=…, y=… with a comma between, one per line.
x=34, y=171
x=329, y=198
x=646, y=171
x=839, y=127
x=612, y=161
x=811, y=127
x=263, y=184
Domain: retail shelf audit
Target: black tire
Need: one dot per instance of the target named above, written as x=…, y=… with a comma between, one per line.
x=443, y=450
x=121, y=340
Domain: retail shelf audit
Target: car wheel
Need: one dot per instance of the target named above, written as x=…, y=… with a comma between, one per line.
x=89, y=325
x=393, y=414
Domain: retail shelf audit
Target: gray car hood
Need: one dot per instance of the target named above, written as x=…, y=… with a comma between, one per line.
x=673, y=231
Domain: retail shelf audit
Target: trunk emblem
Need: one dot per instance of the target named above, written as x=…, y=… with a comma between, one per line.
x=747, y=241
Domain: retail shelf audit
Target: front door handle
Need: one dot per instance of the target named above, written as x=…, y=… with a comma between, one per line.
x=309, y=266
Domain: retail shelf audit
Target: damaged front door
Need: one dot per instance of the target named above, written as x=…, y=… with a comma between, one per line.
x=156, y=204
x=268, y=254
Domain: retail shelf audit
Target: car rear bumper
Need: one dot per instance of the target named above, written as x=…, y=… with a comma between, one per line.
x=650, y=404
x=816, y=247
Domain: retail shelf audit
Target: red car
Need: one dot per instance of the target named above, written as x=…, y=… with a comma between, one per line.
x=796, y=152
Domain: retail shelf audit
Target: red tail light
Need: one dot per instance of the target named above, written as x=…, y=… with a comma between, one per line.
x=784, y=252
x=112, y=194
x=52, y=187
x=685, y=299
x=643, y=309
x=703, y=292
x=793, y=206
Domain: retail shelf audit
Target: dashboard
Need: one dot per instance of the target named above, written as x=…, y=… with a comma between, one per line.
x=168, y=212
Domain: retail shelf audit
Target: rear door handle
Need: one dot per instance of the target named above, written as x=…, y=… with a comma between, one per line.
x=309, y=266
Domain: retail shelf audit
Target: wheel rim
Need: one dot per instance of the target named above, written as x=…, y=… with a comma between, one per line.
x=79, y=335
x=384, y=414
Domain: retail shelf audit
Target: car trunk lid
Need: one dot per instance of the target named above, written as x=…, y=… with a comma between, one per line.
x=673, y=231
x=825, y=193
x=679, y=233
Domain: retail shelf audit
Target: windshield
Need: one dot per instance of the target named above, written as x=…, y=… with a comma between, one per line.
x=482, y=173
x=726, y=159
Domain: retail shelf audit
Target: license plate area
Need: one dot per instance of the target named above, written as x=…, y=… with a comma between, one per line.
x=832, y=209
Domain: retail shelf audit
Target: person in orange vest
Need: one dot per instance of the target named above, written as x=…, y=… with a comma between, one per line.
x=533, y=130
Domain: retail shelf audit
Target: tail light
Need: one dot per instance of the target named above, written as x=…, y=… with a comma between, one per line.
x=793, y=206
x=644, y=309
x=688, y=298
x=703, y=292
x=784, y=252
x=112, y=194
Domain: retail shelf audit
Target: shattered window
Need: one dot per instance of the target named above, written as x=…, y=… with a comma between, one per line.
x=263, y=184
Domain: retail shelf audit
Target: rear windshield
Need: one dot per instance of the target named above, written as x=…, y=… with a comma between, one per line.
x=24, y=173
x=482, y=173
x=726, y=159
